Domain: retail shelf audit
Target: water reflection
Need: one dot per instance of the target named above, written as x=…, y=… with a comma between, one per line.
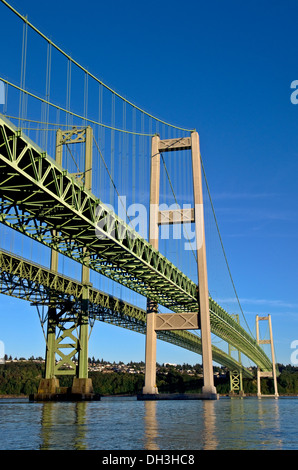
x=209, y=425
x=192, y=424
x=63, y=426
x=151, y=427
x=253, y=424
x=122, y=423
x=269, y=422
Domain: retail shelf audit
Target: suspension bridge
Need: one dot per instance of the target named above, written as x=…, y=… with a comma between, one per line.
x=89, y=177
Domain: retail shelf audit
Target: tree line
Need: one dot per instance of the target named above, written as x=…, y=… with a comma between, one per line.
x=22, y=378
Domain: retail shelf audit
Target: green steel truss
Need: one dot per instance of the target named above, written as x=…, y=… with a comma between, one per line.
x=43, y=201
x=29, y=281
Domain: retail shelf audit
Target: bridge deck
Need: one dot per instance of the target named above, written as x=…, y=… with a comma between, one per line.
x=37, y=284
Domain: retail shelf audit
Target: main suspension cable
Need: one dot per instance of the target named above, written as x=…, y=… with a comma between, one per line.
x=25, y=19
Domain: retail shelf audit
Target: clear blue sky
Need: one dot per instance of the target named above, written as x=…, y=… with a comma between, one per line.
x=224, y=68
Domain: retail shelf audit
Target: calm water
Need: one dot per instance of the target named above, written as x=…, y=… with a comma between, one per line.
x=128, y=424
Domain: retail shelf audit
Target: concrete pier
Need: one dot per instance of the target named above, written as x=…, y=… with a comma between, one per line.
x=49, y=390
x=177, y=396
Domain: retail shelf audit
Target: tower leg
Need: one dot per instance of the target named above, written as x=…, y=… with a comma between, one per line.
x=150, y=360
x=273, y=359
x=49, y=385
x=50, y=345
x=208, y=389
x=271, y=374
x=82, y=385
x=259, y=392
x=150, y=355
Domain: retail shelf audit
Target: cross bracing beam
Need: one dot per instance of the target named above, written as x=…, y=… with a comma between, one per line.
x=29, y=281
x=43, y=201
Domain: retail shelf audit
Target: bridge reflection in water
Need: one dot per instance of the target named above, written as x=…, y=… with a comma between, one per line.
x=118, y=423
x=63, y=430
x=83, y=426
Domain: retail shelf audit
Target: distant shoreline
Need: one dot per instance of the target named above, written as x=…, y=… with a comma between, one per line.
x=128, y=395
x=14, y=396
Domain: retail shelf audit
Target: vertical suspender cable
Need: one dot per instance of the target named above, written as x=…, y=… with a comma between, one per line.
x=23, y=97
x=68, y=93
x=100, y=138
x=85, y=98
x=82, y=160
x=112, y=166
x=124, y=153
x=134, y=157
x=45, y=117
x=141, y=158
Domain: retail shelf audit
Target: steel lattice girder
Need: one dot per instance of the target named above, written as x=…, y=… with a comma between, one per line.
x=43, y=201
x=26, y=280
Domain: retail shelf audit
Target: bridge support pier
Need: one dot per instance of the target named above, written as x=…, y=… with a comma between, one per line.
x=236, y=376
x=236, y=384
x=72, y=328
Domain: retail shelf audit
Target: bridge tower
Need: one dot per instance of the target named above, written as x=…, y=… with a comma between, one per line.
x=190, y=320
x=71, y=323
x=266, y=373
